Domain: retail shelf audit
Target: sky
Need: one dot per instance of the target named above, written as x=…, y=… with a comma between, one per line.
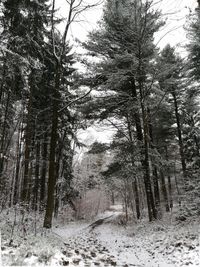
x=174, y=13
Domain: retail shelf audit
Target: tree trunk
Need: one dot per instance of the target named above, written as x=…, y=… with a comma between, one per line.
x=37, y=175
x=143, y=142
x=17, y=167
x=155, y=171
x=164, y=191
x=52, y=157
x=170, y=191
x=180, y=139
x=25, y=185
x=134, y=183
x=147, y=180
x=156, y=188
x=2, y=152
x=57, y=195
x=27, y=144
x=43, y=170
x=137, y=198
x=169, y=182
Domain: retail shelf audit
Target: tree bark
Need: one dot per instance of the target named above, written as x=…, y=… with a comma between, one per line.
x=155, y=171
x=2, y=152
x=137, y=198
x=169, y=182
x=43, y=170
x=37, y=175
x=179, y=132
x=52, y=157
x=143, y=142
x=134, y=182
x=147, y=180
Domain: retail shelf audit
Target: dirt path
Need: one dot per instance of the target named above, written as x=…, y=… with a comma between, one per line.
x=82, y=244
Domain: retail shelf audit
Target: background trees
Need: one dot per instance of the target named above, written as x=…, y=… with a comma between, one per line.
x=149, y=97
x=144, y=96
x=127, y=71
x=36, y=93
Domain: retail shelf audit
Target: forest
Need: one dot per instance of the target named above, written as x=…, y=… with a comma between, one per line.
x=132, y=199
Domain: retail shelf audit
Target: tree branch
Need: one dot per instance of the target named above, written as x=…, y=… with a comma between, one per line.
x=74, y=101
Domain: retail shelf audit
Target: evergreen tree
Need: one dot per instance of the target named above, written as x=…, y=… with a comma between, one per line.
x=171, y=81
x=124, y=43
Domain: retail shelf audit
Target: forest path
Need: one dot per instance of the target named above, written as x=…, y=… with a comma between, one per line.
x=157, y=244
x=82, y=245
x=104, y=243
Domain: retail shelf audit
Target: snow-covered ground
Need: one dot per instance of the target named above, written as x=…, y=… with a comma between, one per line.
x=165, y=243
x=152, y=245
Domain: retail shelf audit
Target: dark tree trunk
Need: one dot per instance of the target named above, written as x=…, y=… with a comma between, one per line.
x=3, y=137
x=179, y=132
x=147, y=180
x=169, y=182
x=43, y=169
x=59, y=171
x=134, y=183
x=52, y=157
x=3, y=81
x=57, y=195
x=155, y=171
x=143, y=142
x=37, y=175
x=156, y=188
x=137, y=198
x=170, y=191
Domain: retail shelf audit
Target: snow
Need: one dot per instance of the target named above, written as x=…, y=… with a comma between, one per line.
x=165, y=243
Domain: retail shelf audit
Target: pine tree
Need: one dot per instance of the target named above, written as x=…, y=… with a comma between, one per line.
x=170, y=79
x=124, y=42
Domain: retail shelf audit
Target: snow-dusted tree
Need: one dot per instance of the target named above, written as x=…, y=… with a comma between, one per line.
x=125, y=73
x=171, y=81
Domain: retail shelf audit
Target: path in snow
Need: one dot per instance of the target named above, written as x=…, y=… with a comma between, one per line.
x=82, y=245
x=141, y=245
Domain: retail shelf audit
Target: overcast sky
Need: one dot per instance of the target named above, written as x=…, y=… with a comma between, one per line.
x=174, y=12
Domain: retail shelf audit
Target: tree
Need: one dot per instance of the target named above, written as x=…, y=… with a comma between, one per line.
x=170, y=79
x=62, y=69
x=125, y=73
x=26, y=32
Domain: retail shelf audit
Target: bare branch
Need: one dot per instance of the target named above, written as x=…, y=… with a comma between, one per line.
x=171, y=30
x=53, y=29
x=74, y=101
x=74, y=11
